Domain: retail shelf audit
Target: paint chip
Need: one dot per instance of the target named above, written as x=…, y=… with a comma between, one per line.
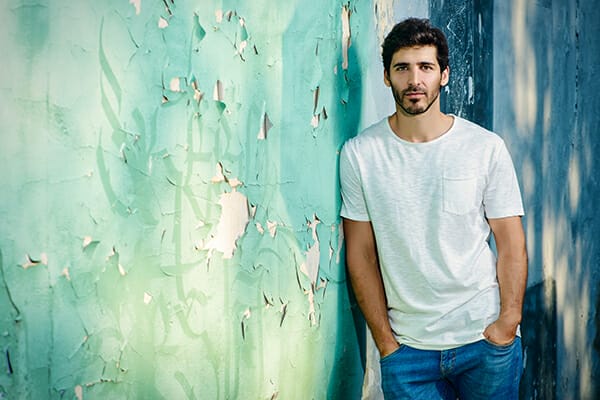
x=219, y=177
x=87, y=241
x=345, y=35
x=31, y=262
x=314, y=122
x=198, y=95
x=234, y=182
x=218, y=91
x=265, y=126
x=219, y=16
x=272, y=227
x=162, y=23
x=174, y=85
x=340, y=242
x=259, y=228
x=232, y=223
x=138, y=6
x=122, y=270
x=78, y=392
x=65, y=273
x=311, y=266
x=147, y=298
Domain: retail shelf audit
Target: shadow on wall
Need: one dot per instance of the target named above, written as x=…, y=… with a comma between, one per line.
x=544, y=57
x=542, y=70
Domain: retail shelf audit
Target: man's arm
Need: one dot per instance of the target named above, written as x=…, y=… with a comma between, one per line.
x=511, y=269
x=363, y=268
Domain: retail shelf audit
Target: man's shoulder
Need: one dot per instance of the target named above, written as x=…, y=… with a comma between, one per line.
x=374, y=132
x=472, y=131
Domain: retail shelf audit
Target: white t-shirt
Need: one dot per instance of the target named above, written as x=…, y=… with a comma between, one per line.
x=428, y=204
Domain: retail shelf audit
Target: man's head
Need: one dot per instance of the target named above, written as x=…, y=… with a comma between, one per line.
x=414, y=32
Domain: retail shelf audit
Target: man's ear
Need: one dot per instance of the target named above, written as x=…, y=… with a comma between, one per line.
x=445, y=76
x=386, y=78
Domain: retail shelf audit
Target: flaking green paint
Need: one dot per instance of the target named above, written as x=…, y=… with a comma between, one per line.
x=126, y=127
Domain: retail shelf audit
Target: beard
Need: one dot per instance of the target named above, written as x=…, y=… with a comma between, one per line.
x=413, y=107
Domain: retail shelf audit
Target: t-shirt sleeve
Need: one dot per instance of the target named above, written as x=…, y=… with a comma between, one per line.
x=502, y=196
x=354, y=206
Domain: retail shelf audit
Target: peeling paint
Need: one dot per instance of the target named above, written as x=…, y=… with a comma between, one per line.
x=159, y=235
x=232, y=223
x=138, y=6
x=345, y=35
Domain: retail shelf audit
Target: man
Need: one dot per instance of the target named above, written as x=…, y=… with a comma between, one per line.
x=422, y=192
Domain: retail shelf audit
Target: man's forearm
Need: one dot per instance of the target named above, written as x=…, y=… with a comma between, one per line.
x=512, y=280
x=511, y=271
x=368, y=289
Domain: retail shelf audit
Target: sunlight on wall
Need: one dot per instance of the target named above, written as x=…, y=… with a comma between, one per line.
x=524, y=90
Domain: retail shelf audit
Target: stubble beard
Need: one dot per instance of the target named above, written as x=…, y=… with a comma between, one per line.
x=413, y=107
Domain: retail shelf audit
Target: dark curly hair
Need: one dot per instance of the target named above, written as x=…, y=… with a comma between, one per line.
x=414, y=32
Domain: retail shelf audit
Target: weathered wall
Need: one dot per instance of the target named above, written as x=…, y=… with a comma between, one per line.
x=169, y=198
x=546, y=56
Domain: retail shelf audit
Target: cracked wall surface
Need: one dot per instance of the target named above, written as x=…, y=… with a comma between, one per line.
x=169, y=200
x=170, y=209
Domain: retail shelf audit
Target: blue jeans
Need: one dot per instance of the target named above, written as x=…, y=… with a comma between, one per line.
x=480, y=370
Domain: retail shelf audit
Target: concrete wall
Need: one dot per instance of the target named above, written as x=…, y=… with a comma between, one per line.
x=169, y=200
x=546, y=56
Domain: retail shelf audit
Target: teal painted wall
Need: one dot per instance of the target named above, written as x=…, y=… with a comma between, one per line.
x=169, y=198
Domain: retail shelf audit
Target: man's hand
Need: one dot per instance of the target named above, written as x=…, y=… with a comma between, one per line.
x=511, y=269
x=502, y=332
x=388, y=349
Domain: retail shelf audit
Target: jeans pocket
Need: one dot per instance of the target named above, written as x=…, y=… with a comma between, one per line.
x=497, y=346
x=391, y=355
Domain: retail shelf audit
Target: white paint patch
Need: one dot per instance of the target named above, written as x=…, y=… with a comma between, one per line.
x=219, y=16
x=232, y=224
x=162, y=23
x=218, y=91
x=147, y=298
x=272, y=227
x=78, y=392
x=86, y=241
x=345, y=35
x=138, y=6
x=65, y=273
x=174, y=85
x=219, y=177
x=311, y=266
x=384, y=18
x=259, y=228
x=122, y=270
x=470, y=94
x=30, y=262
x=314, y=122
x=265, y=126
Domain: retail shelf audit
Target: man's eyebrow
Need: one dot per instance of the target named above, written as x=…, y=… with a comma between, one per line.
x=403, y=64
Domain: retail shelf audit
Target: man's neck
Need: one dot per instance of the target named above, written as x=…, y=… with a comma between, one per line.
x=420, y=128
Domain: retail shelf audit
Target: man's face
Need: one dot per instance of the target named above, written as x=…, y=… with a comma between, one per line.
x=415, y=78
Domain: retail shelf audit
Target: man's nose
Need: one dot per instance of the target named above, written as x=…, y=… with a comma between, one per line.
x=413, y=76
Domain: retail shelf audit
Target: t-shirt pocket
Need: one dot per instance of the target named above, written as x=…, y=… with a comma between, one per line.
x=460, y=194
